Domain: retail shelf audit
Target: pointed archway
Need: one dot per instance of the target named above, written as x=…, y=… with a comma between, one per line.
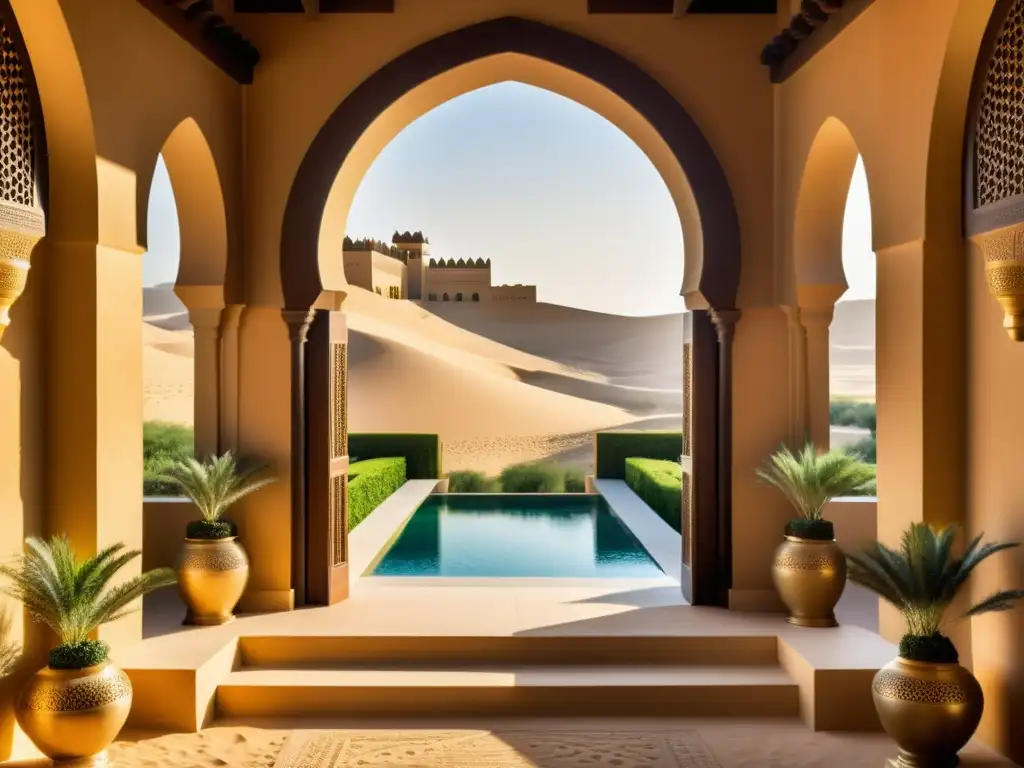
x=711, y=275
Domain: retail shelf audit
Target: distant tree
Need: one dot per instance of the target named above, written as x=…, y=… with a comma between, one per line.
x=433, y=263
x=460, y=263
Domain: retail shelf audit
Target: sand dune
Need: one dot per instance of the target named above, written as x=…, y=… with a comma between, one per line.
x=500, y=384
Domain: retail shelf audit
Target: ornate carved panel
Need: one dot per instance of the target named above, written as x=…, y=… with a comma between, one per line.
x=21, y=214
x=339, y=511
x=999, y=128
x=339, y=400
x=687, y=398
x=18, y=169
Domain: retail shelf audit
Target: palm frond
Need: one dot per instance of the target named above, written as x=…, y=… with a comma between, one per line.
x=809, y=480
x=73, y=596
x=922, y=578
x=216, y=483
x=998, y=601
x=9, y=650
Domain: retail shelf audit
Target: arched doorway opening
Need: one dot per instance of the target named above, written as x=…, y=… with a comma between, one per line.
x=190, y=185
x=313, y=229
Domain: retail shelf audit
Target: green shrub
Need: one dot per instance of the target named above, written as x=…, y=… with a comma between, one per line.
x=163, y=444
x=470, y=481
x=866, y=449
x=613, y=448
x=370, y=482
x=533, y=477
x=660, y=484
x=850, y=414
x=575, y=480
x=422, y=452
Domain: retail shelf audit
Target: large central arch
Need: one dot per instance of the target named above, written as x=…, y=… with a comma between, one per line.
x=711, y=280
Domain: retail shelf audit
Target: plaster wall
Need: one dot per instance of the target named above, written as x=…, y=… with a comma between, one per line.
x=292, y=98
x=947, y=418
x=452, y=280
x=996, y=508
x=514, y=293
x=114, y=85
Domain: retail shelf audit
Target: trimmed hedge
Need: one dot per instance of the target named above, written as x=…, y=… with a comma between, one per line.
x=422, y=452
x=533, y=477
x=613, y=448
x=162, y=445
x=471, y=481
x=659, y=483
x=370, y=482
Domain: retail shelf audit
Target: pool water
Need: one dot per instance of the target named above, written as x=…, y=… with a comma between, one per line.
x=516, y=535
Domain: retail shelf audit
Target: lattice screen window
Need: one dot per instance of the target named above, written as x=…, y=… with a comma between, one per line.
x=339, y=400
x=687, y=522
x=339, y=510
x=687, y=398
x=999, y=133
x=17, y=172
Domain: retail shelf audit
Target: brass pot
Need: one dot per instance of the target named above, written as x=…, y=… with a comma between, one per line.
x=930, y=710
x=75, y=714
x=810, y=576
x=212, y=574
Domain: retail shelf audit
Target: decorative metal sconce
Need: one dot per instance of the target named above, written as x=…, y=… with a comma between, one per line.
x=1003, y=251
x=22, y=223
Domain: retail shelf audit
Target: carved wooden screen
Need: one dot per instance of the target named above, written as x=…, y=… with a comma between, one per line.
x=327, y=459
x=700, y=572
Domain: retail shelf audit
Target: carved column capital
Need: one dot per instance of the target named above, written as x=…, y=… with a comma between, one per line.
x=298, y=321
x=1003, y=252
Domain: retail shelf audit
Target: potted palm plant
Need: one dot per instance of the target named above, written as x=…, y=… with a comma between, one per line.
x=212, y=566
x=927, y=702
x=809, y=569
x=74, y=707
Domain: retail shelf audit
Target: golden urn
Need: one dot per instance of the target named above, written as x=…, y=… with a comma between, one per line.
x=212, y=574
x=930, y=710
x=810, y=576
x=75, y=714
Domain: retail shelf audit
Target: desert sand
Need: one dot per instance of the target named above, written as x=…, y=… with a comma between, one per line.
x=525, y=744
x=500, y=384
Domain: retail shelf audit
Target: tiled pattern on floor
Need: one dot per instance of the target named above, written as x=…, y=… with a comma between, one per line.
x=484, y=749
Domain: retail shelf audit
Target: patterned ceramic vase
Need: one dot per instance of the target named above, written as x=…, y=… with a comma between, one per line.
x=930, y=710
x=75, y=714
x=810, y=576
x=212, y=574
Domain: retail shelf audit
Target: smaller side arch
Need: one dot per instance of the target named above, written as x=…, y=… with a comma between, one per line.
x=821, y=208
x=199, y=198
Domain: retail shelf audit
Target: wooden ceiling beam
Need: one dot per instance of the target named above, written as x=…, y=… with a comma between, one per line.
x=810, y=30
x=195, y=22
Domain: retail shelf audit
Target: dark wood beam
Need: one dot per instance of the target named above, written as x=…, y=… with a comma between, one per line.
x=817, y=24
x=682, y=7
x=324, y=6
x=195, y=22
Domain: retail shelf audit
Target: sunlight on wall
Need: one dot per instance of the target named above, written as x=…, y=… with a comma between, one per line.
x=551, y=192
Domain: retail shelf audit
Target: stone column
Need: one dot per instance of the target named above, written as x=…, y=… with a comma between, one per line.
x=231, y=320
x=206, y=324
x=298, y=331
x=264, y=422
x=921, y=396
x=817, y=305
x=94, y=399
x=816, y=324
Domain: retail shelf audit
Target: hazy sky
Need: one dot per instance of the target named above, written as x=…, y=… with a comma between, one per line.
x=550, y=191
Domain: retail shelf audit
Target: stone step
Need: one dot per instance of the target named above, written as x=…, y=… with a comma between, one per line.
x=509, y=690
x=277, y=652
